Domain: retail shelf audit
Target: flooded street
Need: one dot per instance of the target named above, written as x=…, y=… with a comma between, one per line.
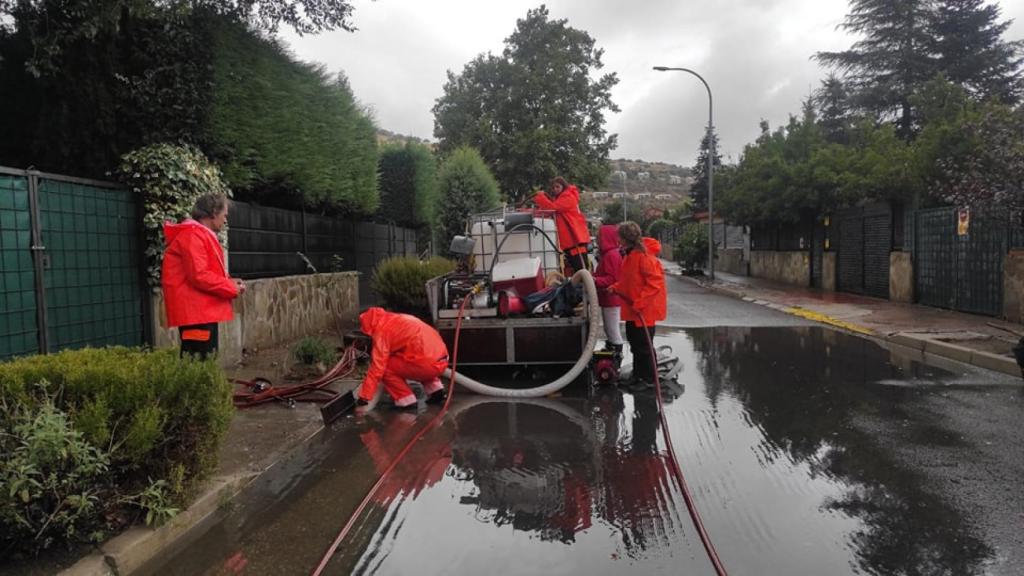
x=807, y=451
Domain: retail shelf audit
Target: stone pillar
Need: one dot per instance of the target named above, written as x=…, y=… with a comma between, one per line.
x=901, y=277
x=1013, y=286
x=828, y=271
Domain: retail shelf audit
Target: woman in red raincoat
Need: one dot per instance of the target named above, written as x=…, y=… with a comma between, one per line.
x=196, y=286
x=573, y=234
x=404, y=348
x=645, y=299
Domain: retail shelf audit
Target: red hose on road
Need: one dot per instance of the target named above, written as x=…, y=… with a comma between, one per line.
x=398, y=458
x=677, y=470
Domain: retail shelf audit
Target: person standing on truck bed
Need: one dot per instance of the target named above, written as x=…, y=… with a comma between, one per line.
x=573, y=234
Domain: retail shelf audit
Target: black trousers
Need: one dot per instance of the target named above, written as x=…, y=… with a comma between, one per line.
x=644, y=365
x=577, y=261
x=198, y=340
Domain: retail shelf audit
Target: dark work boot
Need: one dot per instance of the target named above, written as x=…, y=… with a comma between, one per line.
x=437, y=397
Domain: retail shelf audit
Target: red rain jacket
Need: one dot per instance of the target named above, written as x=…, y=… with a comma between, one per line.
x=197, y=289
x=571, y=225
x=642, y=285
x=609, y=269
x=401, y=335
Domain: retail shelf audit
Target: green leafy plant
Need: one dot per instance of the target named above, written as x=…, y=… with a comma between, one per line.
x=92, y=435
x=313, y=350
x=400, y=281
x=154, y=502
x=51, y=478
x=691, y=250
x=169, y=178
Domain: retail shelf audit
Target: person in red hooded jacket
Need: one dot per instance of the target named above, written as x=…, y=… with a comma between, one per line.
x=197, y=289
x=404, y=348
x=645, y=299
x=608, y=271
x=573, y=234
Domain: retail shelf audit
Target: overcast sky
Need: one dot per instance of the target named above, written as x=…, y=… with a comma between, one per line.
x=755, y=54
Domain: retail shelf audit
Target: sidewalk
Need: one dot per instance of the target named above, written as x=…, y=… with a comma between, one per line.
x=258, y=438
x=977, y=340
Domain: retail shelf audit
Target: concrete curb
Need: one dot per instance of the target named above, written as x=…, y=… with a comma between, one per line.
x=125, y=553
x=986, y=360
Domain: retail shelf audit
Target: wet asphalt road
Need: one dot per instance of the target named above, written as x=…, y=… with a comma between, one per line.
x=808, y=451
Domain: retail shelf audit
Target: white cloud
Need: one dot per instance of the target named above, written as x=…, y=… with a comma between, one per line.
x=755, y=54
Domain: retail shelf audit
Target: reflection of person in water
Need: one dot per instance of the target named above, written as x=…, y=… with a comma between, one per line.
x=419, y=469
x=636, y=473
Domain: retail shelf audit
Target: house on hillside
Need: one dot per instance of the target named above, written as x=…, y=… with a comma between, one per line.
x=618, y=195
x=643, y=176
x=598, y=195
x=663, y=197
x=673, y=179
x=642, y=195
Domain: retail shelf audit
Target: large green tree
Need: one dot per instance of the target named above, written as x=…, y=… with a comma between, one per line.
x=53, y=27
x=832, y=103
x=408, y=188
x=891, y=59
x=466, y=187
x=968, y=41
x=699, y=189
x=535, y=111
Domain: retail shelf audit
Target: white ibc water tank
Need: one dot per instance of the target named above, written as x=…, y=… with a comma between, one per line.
x=529, y=242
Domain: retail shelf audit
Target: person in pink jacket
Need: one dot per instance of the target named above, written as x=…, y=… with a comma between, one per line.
x=608, y=270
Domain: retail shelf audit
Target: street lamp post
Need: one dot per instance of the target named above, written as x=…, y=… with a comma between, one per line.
x=711, y=172
x=624, y=194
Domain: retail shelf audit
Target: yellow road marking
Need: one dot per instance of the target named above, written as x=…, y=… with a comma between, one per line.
x=819, y=317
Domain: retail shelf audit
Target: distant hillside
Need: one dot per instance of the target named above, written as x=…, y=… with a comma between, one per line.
x=389, y=137
x=650, y=177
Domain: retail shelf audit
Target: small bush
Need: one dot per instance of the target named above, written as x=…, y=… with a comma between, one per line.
x=691, y=250
x=96, y=435
x=312, y=350
x=401, y=281
x=51, y=478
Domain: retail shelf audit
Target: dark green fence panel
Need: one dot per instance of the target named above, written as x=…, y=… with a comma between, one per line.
x=934, y=254
x=962, y=273
x=92, y=277
x=18, y=323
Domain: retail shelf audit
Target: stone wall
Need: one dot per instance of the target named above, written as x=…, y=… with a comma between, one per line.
x=731, y=260
x=786, y=267
x=277, y=310
x=901, y=277
x=1013, y=286
x=828, y=271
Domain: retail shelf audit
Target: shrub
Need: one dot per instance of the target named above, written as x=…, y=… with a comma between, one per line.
x=312, y=350
x=136, y=431
x=691, y=250
x=400, y=281
x=466, y=187
x=50, y=478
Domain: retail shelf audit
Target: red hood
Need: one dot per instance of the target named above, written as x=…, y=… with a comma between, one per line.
x=652, y=246
x=371, y=319
x=172, y=230
x=608, y=238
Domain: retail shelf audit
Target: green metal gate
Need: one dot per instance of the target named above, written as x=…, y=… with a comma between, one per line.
x=960, y=272
x=19, y=327
x=71, y=264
